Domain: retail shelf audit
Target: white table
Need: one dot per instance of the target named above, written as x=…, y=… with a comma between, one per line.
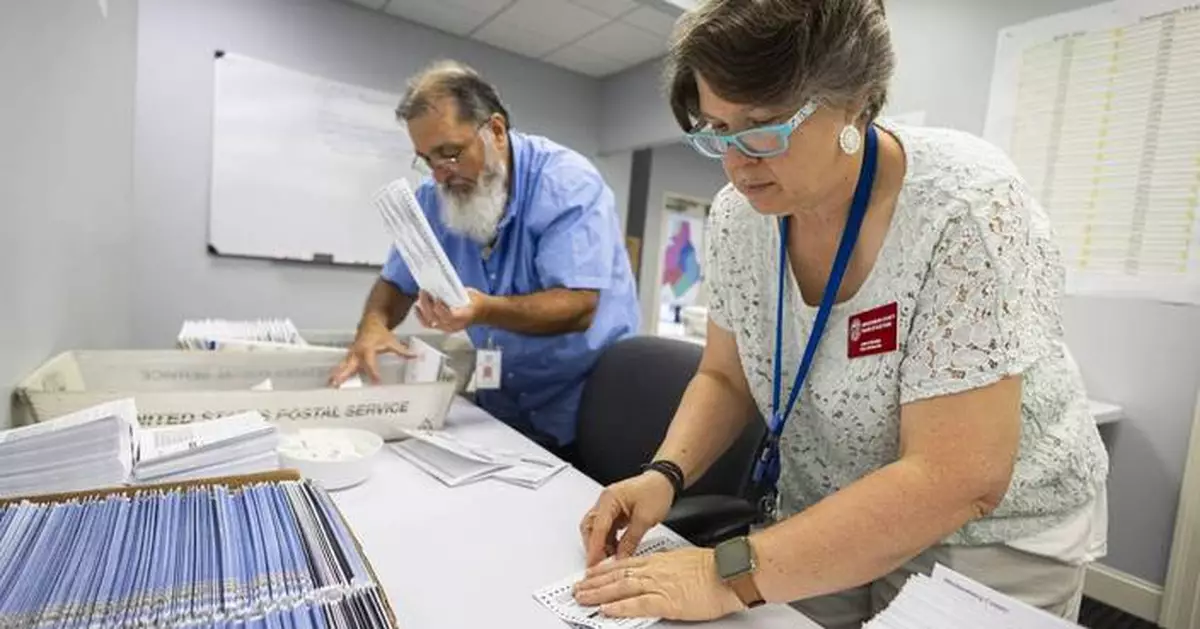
x=472, y=556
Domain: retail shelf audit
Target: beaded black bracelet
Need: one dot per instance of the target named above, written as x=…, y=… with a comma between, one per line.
x=672, y=471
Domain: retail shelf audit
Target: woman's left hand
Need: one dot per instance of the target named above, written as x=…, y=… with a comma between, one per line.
x=676, y=585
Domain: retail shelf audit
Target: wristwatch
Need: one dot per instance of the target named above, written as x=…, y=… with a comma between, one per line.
x=735, y=567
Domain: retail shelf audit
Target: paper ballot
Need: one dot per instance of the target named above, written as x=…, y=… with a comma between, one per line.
x=559, y=597
x=237, y=444
x=949, y=600
x=417, y=245
x=456, y=462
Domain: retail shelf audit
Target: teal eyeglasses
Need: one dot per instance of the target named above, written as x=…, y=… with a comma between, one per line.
x=767, y=141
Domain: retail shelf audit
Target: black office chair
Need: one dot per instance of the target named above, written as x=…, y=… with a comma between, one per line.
x=628, y=402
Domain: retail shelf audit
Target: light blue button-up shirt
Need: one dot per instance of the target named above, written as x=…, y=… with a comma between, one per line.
x=559, y=230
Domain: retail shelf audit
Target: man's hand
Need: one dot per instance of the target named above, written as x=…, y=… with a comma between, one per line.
x=434, y=313
x=373, y=338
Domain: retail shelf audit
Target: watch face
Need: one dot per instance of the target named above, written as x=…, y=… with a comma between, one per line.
x=734, y=559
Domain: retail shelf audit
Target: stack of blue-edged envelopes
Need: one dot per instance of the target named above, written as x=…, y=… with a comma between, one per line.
x=267, y=551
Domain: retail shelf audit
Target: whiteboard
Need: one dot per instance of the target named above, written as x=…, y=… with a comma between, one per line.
x=1099, y=109
x=296, y=162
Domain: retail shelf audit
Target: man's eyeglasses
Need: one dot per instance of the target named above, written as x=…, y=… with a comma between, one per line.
x=765, y=141
x=448, y=160
x=427, y=165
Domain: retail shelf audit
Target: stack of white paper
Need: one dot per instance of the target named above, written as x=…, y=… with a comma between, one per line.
x=213, y=334
x=417, y=245
x=103, y=446
x=949, y=600
x=456, y=462
x=83, y=450
x=239, y=444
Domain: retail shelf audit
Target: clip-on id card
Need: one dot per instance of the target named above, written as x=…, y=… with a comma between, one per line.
x=487, y=369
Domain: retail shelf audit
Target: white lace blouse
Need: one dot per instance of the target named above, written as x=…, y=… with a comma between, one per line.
x=971, y=266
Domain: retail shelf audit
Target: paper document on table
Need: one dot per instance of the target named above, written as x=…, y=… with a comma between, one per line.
x=444, y=459
x=525, y=470
x=949, y=600
x=93, y=446
x=417, y=244
x=163, y=442
x=559, y=597
x=530, y=472
x=225, y=446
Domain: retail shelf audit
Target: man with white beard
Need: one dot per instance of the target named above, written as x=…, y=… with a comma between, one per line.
x=531, y=228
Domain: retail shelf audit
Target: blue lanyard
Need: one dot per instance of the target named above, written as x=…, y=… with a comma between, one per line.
x=766, y=468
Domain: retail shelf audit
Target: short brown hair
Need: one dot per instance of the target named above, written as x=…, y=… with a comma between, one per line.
x=781, y=52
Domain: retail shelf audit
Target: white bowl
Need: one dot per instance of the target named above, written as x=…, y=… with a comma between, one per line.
x=334, y=457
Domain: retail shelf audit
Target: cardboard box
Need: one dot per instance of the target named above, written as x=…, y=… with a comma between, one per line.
x=229, y=481
x=177, y=386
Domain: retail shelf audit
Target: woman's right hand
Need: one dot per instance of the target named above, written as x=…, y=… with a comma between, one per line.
x=634, y=505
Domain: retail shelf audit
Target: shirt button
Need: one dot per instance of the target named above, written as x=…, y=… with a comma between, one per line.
x=493, y=276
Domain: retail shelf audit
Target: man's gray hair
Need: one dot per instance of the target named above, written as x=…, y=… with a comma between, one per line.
x=477, y=100
x=781, y=53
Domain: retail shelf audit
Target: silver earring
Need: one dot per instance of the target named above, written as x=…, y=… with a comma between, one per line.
x=850, y=139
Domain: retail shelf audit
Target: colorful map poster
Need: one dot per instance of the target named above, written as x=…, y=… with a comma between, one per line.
x=683, y=251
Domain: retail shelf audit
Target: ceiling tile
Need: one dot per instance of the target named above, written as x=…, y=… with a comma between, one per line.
x=622, y=41
x=580, y=59
x=370, y=4
x=609, y=8
x=518, y=39
x=651, y=20
x=453, y=16
x=557, y=20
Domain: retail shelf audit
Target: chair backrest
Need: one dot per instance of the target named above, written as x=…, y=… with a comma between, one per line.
x=628, y=402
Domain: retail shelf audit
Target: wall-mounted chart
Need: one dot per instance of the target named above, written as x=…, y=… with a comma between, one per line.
x=1100, y=110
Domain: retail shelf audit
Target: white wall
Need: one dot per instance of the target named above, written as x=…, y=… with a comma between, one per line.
x=679, y=169
x=174, y=276
x=66, y=141
x=1140, y=354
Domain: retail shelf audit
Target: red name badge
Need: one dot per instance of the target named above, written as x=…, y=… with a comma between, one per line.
x=872, y=331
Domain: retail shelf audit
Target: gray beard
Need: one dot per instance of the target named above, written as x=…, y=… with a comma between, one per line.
x=477, y=213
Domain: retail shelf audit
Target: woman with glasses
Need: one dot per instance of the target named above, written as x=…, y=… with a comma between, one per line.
x=888, y=299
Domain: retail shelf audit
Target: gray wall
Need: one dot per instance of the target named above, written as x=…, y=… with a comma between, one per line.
x=65, y=180
x=174, y=277
x=1140, y=354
